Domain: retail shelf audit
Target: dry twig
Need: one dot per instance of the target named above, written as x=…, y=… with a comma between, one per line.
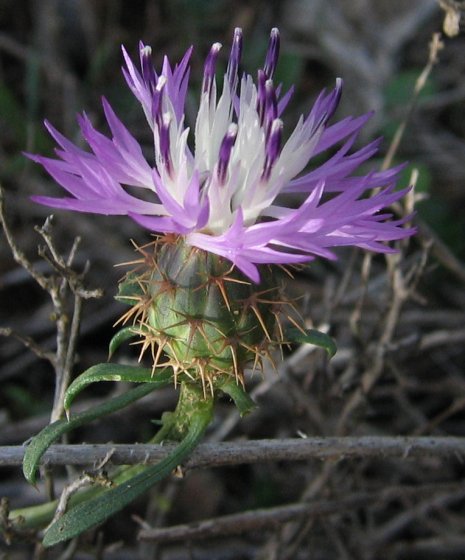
x=57, y=286
x=258, y=520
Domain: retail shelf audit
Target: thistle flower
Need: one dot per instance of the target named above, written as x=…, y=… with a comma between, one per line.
x=224, y=194
x=204, y=296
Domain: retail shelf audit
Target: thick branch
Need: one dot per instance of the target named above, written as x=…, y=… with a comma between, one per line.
x=256, y=451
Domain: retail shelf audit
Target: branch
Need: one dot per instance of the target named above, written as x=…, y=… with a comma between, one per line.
x=57, y=286
x=19, y=257
x=29, y=343
x=435, y=46
x=269, y=518
x=248, y=452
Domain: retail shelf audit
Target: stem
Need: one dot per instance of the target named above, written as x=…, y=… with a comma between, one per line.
x=189, y=421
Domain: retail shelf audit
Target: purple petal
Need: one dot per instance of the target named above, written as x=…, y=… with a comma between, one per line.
x=160, y=224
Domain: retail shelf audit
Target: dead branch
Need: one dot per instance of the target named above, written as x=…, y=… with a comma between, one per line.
x=249, y=452
x=270, y=518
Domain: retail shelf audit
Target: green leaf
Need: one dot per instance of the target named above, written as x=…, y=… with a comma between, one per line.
x=240, y=397
x=116, y=372
x=311, y=336
x=42, y=441
x=96, y=510
x=121, y=336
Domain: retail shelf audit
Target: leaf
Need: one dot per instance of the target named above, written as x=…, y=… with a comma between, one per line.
x=98, y=509
x=240, y=397
x=116, y=372
x=311, y=336
x=121, y=336
x=42, y=441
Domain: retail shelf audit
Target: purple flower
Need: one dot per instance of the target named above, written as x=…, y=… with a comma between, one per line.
x=224, y=194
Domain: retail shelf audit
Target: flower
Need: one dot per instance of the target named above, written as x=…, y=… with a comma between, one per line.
x=224, y=195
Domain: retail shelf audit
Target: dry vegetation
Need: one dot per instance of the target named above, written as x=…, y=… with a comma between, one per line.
x=359, y=493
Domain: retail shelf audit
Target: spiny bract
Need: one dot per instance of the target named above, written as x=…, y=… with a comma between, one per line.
x=203, y=313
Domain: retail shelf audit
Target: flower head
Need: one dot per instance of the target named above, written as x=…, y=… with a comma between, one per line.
x=224, y=194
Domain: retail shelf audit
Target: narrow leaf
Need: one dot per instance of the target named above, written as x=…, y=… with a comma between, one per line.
x=96, y=510
x=121, y=336
x=311, y=336
x=116, y=372
x=42, y=441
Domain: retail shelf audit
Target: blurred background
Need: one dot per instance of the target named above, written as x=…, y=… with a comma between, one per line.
x=57, y=58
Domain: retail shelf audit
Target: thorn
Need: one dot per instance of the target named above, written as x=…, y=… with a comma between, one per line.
x=225, y=295
x=236, y=280
x=168, y=343
x=200, y=367
x=219, y=283
x=235, y=365
x=279, y=325
x=133, y=312
x=301, y=329
x=258, y=360
x=286, y=270
x=198, y=324
x=129, y=263
x=175, y=374
x=156, y=358
x=290, y=304
x=269, y=357
x=261, y=321
x=145, y=343
x=210, y=384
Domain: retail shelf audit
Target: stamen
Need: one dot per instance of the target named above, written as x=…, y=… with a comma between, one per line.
x=225, y=152
x=157, y=99
x=210, y=67
x=261, y=95
x=234, y=58
x=272, y=53
x=149, y=76
x=273, y=147
x=271, y=106
x=164, y=134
